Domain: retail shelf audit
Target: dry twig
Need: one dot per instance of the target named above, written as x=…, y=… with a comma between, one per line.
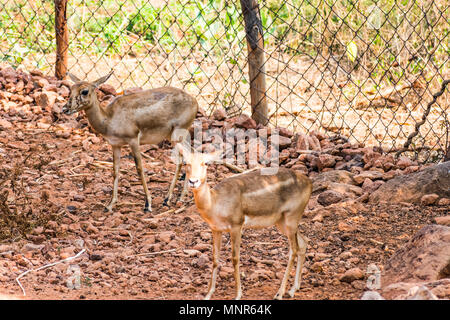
x=46, y=266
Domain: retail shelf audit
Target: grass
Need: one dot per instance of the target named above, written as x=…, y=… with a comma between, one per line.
x=387, y=34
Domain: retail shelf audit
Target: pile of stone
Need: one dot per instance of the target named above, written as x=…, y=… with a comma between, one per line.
x=36, y=97
x=316, y=153
x=32, y=95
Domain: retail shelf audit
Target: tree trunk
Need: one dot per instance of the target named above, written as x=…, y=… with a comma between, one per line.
x=256, y=69
x=62, y=38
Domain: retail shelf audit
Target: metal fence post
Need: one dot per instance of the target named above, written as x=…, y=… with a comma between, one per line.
x=256, y=68
x=62, y=38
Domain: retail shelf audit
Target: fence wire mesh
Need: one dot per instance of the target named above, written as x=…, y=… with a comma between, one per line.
x=363, y=69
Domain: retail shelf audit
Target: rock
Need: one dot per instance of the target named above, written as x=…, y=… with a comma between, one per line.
x=192, y=252
x=38, y=230
x=202, y=261
x=329, y=197
x=166, y=236
x=79, y=197
x=351, y=275
x=153, y=276
x=151, y=223
x=429, y=199
x=245, y=122
x=344, y=227
x=31, y=247
x=348, y=190
x=371, y=295
x=372, y=175
x=406, y=291
x=108, y=89
x=46, y=99
x=67, y=252
x=5, y=124
x=370, y=186
x=226, y=272
x=202, y=247
x=317, y=267
x=285, y=132
x=42, y=82
x=445, y=220
x=91, y=229
x=412, y=187
x=284, y=142
x=260, y=274
x=327, y=161
x=318, y=217
x=306, y=142
x=359, y=284
x=324, y=179
x=445, y=202
x=283, y=155
x=64, y=91
x=404, y=162
x=219, y=114
x=37, y=72
x=6, y=247
x=9, y=74
x=424, y=258
x=345, y=255
x=96, y=256
x=420, y=293
x=370, y=157
x=149, y=239
x=300, y=167
x=319, y=135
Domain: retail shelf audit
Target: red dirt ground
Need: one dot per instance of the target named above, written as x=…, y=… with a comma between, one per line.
x=67, y=188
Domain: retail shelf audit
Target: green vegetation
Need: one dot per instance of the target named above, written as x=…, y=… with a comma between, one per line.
x=410, y=35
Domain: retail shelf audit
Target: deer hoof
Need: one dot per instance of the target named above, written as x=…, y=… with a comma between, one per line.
x=278, y=296
x=292, y=293
x=147, y=207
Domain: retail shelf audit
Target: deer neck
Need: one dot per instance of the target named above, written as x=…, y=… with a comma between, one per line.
x=203, y=199
x=97, y=117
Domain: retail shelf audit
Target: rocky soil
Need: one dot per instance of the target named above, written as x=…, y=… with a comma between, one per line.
x=55, y=178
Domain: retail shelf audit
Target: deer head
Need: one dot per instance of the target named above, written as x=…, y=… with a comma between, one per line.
x=82, y=94
x=196, y=165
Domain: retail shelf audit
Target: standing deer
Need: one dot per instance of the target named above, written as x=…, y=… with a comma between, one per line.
x=145, y=117
x=250, y=200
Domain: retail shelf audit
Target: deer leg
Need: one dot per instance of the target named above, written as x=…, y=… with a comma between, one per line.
x=138, y=161
x=236, y=234
x=174, y=180
x=302, y=244
x=185, y=188
x=217, y=241
x=293, y=249
x=116, y=166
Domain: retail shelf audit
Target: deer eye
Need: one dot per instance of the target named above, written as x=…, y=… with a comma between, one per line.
x=85, y=92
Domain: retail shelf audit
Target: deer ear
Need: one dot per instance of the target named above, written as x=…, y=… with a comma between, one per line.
x=101, y=80
x=184, y=151
x=211, y=157
x=73, y=77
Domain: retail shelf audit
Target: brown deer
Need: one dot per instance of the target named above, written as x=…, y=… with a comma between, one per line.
x=250, y=200
x=145, y=117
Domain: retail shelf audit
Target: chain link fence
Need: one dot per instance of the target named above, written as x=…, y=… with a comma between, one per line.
x=363, y=69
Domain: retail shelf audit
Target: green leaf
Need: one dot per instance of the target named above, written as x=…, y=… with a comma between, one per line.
x=352, y=51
